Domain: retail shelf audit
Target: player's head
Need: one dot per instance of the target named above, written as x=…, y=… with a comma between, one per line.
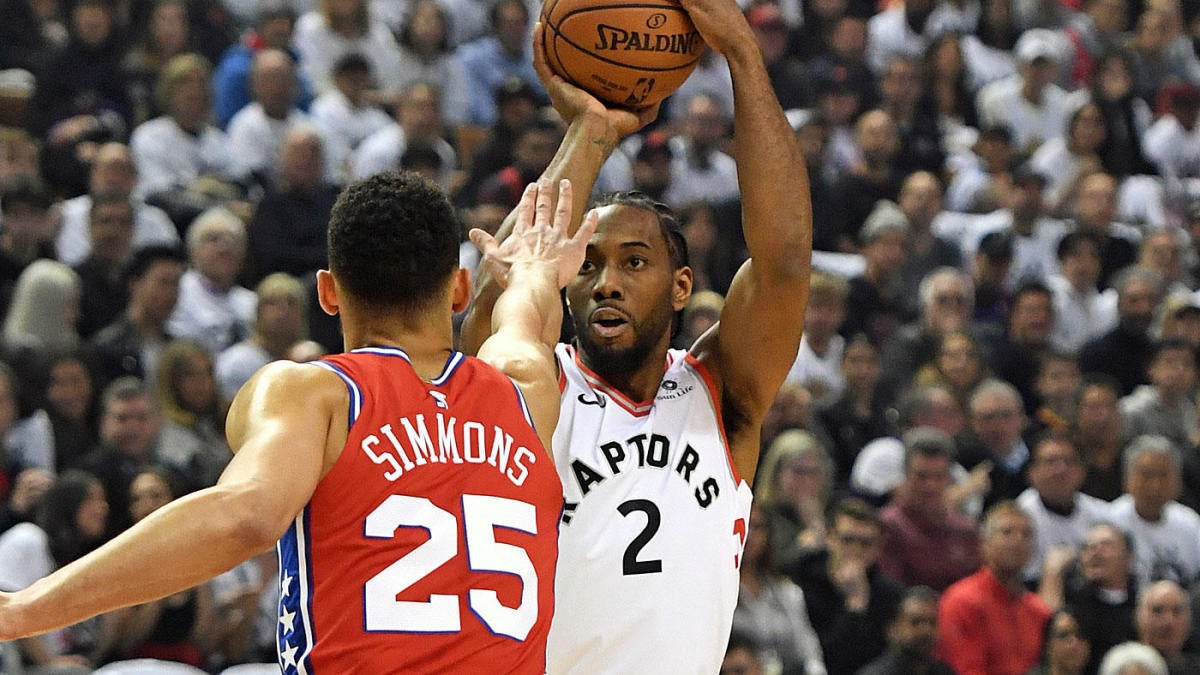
x=393, y=245
x=634, y=280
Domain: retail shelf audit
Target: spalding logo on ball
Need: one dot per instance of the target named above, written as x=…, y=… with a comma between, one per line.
x=626, y=53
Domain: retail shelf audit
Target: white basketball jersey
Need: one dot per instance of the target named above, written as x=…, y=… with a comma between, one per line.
x=652, y=528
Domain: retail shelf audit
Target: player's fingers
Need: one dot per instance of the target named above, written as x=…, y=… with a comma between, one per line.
x=562, y=213
x=483, y=241
x=525, y=208
x=539, y=55
x=545, y=204
x=586, y=229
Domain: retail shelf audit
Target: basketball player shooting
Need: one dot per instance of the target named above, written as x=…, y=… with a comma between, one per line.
x=655, y=447
x=415, y=506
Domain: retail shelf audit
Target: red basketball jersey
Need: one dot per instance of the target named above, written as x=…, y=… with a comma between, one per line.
x=430, y=546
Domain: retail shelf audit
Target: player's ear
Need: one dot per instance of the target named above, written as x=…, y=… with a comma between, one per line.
x=327, y=293
x=681, y=288
x=460, y=292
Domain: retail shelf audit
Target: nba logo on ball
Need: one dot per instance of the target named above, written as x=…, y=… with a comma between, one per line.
x=627, y=53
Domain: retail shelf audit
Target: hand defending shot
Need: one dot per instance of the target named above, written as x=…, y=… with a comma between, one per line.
x=539, y=240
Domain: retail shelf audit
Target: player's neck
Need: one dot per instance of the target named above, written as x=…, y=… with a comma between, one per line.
x=427, y=343
x=638, y=382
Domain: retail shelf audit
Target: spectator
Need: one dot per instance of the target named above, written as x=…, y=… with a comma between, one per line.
x=1098, y=432
x=818, y=365
x=258, y=129
x=110, y=232
x=874, y=294
x=132, y=344
x=426, y=55
x=771, y=609
x=334, y=29
x=1164, y=621
x=945, y=300
x=988, y=623
x=1166, y=534
x=859, y=415
x=1101, y=589
x=1095, y=210
x=1132, y=657
x=81, y=97
x=288, y=232
x=1092, y=33
x=279, y=324
x=1069, y=158
x=784, y=69
x=983, y=176
x=1126, y=116
x=849, y=600
x=1081, y=311
x=112, y=171
x=949, y=92
x=700, y=170
x=213, y=309
x=71, y=405
x=166, y=37
x=1061, y=515
x=903, y=28
x=918, y=519
x=1172, y=143
x=491, y=59
x=901, y=90
x=958, y=366
x=1163, y=251
x=130, y=425
x=1165, y=406
x=231, y=82
x=794, y=490
x=533, y=151
x=921, y=201
x=1065, y=649
x=912, y=635
x=418, y=118
x=1017, y=357
x=193, y=438
x=69, y=523
x=516, y=105
x=1125, y=351
x=872, y=178
x=1057, y=386
x=27, y=229
x=1028, y=103
x=992, y=261
x=347, y=113
x=179, y=628
x=28, y=488
x=182, y=160
x=1154, y=61
x=26, y=41
x=996, y=422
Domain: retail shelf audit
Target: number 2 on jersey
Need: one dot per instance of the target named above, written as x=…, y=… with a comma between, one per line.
x=440, y=614
x=630, y=563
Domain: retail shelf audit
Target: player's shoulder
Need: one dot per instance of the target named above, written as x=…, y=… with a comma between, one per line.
x=288, y=380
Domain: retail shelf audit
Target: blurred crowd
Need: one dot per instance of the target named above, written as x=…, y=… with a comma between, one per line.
x=986, y=458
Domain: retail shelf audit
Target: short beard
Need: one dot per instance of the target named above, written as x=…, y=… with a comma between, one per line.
x=611, y=362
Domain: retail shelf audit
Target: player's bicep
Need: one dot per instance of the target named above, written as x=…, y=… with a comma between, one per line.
x=279, y=429
x=758, y=335
x=533, y=369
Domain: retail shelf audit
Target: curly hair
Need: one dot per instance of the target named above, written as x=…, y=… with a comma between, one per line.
x=393, y=241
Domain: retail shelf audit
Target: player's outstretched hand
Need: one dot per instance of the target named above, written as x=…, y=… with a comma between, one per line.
x=721, y=24
x=539, y=237
x=572, y=102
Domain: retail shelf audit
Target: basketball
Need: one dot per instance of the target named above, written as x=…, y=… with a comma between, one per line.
x=629, y=53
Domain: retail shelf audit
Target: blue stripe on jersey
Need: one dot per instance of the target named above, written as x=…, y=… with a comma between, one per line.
x=294, y=633
x=524, y=405
x=456, y=360
x=355, y=393
x=382, y=351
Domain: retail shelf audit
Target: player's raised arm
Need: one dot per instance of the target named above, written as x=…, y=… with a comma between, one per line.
x=531, y=265
x=593, y=132
x=280, y=424
x=759, y=332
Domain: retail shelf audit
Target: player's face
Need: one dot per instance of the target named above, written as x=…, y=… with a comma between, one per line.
x=627, y=291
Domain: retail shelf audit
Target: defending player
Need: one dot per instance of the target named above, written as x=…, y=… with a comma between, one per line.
x=655, y=447
x=415, y=506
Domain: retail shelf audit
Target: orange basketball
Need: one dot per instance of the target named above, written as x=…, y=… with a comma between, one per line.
x=630, y=53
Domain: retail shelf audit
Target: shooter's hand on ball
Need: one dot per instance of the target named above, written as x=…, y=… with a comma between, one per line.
x=571, y=102
x=722, y=25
